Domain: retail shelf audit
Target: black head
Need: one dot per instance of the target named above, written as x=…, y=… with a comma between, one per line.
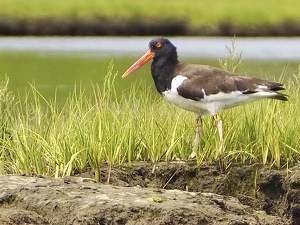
x=163, y=53
x=162, y=47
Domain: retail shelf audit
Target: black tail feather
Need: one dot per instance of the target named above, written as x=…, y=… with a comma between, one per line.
x=280, y=96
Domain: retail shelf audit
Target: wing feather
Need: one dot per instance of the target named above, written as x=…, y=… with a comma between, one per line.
x=206, y=80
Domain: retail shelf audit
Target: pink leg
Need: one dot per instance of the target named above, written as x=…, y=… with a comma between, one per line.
x=220, y=131
x=198, y=133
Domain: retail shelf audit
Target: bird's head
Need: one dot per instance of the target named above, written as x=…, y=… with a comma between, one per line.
x=161, y=47
x=158, y=47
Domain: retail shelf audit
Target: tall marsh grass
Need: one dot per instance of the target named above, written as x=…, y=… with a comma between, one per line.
x=40, y=136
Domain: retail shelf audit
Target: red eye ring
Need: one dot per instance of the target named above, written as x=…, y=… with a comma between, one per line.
x=158, y=44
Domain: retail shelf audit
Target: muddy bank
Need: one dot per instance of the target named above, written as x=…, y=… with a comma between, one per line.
x=98, y=25
x=175, y=193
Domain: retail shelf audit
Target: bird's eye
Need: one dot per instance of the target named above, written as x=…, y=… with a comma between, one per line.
x=158, y=44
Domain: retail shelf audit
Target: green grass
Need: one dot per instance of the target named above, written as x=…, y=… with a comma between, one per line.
x=40, y=136
x=201, y=13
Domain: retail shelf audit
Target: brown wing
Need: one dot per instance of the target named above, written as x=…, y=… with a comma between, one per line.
x=213, y=80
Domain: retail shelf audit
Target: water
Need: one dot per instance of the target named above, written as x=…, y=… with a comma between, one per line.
x=55, y=64
x=202, y=47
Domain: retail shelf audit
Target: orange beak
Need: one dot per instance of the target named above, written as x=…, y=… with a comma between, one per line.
x=140, y=62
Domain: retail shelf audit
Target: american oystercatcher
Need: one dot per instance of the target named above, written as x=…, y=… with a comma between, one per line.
x=204, y=90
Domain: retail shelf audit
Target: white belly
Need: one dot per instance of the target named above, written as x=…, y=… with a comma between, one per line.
x=210, y=104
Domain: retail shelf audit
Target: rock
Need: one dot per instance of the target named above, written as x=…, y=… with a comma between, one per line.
x=34, y=200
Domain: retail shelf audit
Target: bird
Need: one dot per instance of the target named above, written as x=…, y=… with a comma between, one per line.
x=202, y=89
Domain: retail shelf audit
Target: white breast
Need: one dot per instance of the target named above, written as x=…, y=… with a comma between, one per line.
x=173, y=97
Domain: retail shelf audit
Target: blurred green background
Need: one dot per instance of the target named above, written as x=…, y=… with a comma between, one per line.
x=149, y=17
x=59, y=72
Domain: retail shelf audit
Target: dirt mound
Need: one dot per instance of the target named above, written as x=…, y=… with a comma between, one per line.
x=165, y=193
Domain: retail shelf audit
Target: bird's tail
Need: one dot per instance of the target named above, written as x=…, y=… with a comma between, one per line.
x=280, y=96
x=274, y=86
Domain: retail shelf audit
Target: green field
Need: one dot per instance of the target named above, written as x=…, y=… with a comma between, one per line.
x=198, y=13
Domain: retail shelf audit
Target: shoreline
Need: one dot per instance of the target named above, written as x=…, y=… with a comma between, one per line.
x=106, y=26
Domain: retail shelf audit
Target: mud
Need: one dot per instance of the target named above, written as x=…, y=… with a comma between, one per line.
x=100, y=26
x=165, y=193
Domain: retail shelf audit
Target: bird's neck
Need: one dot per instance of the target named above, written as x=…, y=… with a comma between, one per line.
x=163, y=71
